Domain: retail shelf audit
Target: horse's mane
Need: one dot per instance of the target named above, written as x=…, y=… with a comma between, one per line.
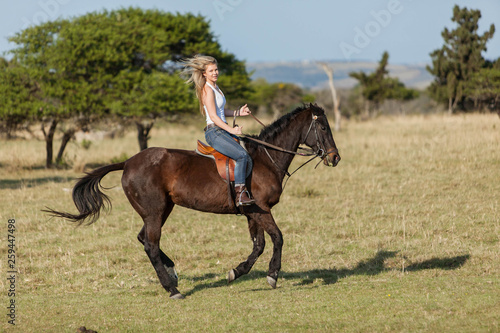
x=269, y=133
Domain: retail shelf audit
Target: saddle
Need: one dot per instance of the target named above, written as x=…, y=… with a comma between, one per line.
x=225, y=165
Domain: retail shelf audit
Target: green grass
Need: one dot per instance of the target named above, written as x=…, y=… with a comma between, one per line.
x=402, y=236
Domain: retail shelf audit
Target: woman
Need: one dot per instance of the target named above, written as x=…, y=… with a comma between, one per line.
x=204, y=73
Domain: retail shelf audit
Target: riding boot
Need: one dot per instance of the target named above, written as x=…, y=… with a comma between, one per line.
x=243, y=197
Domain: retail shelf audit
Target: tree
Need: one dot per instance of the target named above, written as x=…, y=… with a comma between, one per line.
x=64, y=93
x=377, y=86
x=459, y=59
x=372, y=85
x=18, y=96
x=484, y=86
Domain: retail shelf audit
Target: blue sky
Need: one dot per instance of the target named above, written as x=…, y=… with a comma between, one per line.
x=292, y=30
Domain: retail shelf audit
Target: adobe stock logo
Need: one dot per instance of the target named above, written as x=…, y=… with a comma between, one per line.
x=224, y=6
x=363, y=37
x=49, y=10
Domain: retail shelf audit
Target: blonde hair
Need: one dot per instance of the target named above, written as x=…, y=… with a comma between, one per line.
x=194, y=68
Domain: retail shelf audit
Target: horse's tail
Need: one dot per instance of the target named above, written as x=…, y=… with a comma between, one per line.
x=88, y=197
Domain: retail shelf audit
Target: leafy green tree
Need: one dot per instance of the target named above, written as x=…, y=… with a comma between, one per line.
x=372, y=84
x=484, y=87
x=18, y=96
x=64, y=94
x=397, y=90
x=377, y=86
x=459, y=59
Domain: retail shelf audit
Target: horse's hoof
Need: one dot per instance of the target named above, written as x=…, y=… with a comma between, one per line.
x=271, y=281
x=177, y=296
x=231, y=276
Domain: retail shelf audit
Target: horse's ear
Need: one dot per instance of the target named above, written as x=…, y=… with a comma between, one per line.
x=315, y=106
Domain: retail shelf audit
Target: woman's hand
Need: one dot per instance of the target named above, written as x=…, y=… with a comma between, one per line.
x=236, y=130
x=244, y=110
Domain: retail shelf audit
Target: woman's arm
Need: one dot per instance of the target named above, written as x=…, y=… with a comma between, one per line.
x=241, y=111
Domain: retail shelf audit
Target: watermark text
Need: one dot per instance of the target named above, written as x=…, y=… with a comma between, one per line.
x=364, y=35
x=11, y=271
x=225, y=6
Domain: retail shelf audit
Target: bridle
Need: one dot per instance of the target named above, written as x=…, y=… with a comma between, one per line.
x=320, y=151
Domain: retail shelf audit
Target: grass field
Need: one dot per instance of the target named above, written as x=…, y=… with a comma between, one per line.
x=402, y=236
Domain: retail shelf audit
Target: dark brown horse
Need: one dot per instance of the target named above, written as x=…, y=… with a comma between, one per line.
x=156, y=179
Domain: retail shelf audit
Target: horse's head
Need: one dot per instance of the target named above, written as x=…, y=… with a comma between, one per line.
x=318, y=136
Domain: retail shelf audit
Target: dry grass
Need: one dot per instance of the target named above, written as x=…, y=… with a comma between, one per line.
x=402, y=236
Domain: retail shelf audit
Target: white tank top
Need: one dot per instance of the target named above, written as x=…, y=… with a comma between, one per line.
x=220, y=102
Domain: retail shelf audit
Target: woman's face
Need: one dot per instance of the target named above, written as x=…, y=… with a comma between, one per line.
x=211, y=72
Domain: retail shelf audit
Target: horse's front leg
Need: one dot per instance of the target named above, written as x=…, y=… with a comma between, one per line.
x=259, y=242
x=272, y=229
x=258, y=223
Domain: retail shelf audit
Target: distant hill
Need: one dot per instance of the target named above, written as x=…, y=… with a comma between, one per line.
x=308, y=74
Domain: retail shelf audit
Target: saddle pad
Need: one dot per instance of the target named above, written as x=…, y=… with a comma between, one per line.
x=221, y=160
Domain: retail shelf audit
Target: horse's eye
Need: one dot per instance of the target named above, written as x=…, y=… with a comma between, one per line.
x=323, y=128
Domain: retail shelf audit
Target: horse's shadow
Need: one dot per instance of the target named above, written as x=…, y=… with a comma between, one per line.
x=372, y=266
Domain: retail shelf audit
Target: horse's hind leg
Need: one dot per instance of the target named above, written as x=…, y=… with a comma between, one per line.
x=150, y=236
x=152, y=248
x=259, y=242
x=167, y=262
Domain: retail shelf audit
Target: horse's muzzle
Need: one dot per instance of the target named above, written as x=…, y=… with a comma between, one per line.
x=332, y=159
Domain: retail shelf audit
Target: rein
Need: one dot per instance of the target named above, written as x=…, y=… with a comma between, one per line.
x=257, y=120
x=263, y=143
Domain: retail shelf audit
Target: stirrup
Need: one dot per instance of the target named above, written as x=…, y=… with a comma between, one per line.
x=240, y=200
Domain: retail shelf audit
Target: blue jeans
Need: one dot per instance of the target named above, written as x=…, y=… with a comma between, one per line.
x=224, y=143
